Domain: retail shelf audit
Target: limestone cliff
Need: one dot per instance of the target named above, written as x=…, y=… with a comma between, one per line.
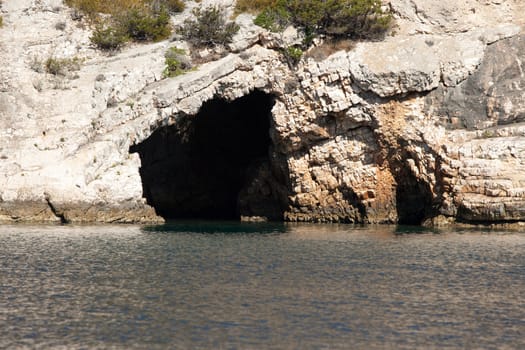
x=423, y=127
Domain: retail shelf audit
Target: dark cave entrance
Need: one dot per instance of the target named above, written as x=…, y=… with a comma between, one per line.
x=214, y=165
x=414, y=200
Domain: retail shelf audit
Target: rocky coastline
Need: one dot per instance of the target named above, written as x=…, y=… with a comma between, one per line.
x=423, y=127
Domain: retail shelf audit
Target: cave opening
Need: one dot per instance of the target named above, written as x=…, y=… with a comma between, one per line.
x=414, y=200
x=214, y=165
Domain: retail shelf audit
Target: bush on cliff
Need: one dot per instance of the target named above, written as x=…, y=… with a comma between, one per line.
x=131, y=25
x=61, y=66
x=139, y=20
x=209, y=28
x=143, y=26
x=357, y=19
x=334, y=20
x=108, y=38
x=177, y=62
x=292, y=54
x=114, y=7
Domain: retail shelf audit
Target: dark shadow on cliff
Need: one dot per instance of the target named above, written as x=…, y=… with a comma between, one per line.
x=358, y=215
x=214, y=165
x=413, y=199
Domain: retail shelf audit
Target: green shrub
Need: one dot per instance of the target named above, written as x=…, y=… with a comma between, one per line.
x=61, y=66
x=209, y=28
x=115, y=7
x=274, y=19
x=363, y=19
x=336, y=20
x=54, y=66
x=142, y=26
x=108, y=38
x=177, y=62
x=293, y=54
x=1, y=22
x=140, y=20
x=134, y=25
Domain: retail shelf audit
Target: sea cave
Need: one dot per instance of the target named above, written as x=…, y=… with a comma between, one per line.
x=214, y=165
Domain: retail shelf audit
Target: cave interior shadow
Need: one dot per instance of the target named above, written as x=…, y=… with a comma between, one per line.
x=201, y=167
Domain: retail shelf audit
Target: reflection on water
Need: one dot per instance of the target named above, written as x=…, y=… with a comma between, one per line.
x=221, y=227
x=225, y=285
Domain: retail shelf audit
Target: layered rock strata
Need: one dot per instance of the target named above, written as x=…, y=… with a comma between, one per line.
x=423, y=127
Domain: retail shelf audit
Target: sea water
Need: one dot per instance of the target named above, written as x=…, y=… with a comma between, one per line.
x=207, y=285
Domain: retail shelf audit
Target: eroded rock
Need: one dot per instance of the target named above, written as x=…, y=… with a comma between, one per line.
x=424, y=127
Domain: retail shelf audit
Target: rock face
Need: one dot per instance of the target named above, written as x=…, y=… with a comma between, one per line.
x=423, y=127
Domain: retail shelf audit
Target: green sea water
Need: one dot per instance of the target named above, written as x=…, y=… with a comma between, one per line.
x=209, y=285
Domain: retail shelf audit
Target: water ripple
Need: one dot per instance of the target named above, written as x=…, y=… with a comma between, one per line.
x=239, y=286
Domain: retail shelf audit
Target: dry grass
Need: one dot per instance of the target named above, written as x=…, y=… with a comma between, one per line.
x=114, y=7
x=61, y=66
x=252, y=6
x=328, y=48
x=93, y=7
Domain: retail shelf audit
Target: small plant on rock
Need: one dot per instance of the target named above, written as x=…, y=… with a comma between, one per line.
x=109, y=38
x=177, y=62
x=61, y=66
x=36, y=64
x=142, y=26
x=274, y=19
x=209, y=28
x=293, y=54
